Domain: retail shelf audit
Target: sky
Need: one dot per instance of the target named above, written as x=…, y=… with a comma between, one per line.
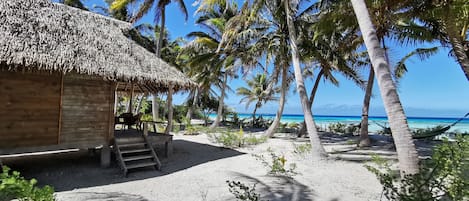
x=435, y=87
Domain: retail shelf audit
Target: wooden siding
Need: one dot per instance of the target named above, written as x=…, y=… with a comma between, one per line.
x=29, y=109
x=87, y=103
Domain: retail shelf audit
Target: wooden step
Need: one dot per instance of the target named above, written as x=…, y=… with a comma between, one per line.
x=132, y=145
x=134, y=151
x=140, y=165
x=129, y=140
x=135, y=158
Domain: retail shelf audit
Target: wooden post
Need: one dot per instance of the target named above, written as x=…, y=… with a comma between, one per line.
x=105, y=156
x=131, y=98
x=170, y=110
x=116, y=99
x=60, y=106
x=145, y=128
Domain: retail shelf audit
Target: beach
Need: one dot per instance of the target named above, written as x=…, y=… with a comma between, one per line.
x=199, y=169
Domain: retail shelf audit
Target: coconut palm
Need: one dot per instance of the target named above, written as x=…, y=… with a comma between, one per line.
x=160, y=13
x=291, y=8
x=256, y=92
x=448, y=22
x=405, y=148
x=209, y=65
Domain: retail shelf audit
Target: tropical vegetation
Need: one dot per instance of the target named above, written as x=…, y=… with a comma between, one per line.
x=284, y=43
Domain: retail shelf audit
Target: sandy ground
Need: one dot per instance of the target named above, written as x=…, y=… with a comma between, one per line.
x=198, y=170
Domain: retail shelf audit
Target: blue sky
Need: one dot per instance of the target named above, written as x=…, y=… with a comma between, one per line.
x=436, y=87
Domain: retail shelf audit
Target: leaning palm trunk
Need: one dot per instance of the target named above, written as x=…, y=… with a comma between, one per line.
x=317, y=148
x=364, y=138
x=458, y=48
x=192, y=106
x=278, y=116
x=220, y=102
x=170, y=110
x=405, y=148
x=302, y=130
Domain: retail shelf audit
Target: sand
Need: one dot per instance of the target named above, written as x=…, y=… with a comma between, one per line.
x=199, y=169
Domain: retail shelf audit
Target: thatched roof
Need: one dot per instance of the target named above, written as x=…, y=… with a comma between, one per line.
x=38, y=34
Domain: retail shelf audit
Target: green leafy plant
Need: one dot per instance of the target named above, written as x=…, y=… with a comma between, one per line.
x=337, y=127
x=231, y=138
x=444, y=177
x=242, y=191
x=14, y=186
x=302, y=149
x=277, y=164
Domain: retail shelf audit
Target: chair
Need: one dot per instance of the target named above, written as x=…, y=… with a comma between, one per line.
x=128, y=119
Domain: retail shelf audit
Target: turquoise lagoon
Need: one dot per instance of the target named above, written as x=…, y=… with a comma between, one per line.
x=324, y=120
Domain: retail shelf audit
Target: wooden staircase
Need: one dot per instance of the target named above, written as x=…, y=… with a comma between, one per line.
x=135, y=152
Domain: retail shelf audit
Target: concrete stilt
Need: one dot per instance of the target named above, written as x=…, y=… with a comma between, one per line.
x=105, y=156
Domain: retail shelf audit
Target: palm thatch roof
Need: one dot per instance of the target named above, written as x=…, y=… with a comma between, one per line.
x=41, y=35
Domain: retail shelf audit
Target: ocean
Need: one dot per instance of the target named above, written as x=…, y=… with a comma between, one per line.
x=324, y=120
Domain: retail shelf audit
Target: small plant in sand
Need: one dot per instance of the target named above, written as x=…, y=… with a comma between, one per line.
x=277, y=164
x=444, y=177
x=301, y=149
x=14, y=186
x=242, y=191
x=235, y=139
x=337, y=127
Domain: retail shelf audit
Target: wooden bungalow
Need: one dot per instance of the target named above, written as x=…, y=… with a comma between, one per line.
x=59, y=71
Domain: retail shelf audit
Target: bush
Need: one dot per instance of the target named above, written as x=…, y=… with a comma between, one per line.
x=337, y=127
x=14, y=186
x=235, y=139
x=277, y=164
x=302, y=149
x=243, y=192
x=444, y=177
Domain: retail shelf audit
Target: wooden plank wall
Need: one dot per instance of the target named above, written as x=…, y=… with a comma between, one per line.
x=87, y=111
x=29, y=109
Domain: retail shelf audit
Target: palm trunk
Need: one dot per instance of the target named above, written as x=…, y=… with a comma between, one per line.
x=139, y=104
x=169, y=101
x=405, y=148
x=220, y=103
x=192, y=106
x=317, y=148
x=458, y=47
x=302, y=130
x=364, y=139
x=254, y=115
x=155, y=106
x=278, y=116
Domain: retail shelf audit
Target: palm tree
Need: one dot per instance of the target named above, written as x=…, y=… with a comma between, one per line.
x=290, y=9
x=160, y=13
x=405, y=148
x=219, y=62
x=447, y=21
x=256, y=92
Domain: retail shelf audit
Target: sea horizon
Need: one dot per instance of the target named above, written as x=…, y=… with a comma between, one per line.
x=374, y=121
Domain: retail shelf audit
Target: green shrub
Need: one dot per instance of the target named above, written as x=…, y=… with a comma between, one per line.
x=229, y=138
x=337, y=127
x=14, y=186
x=243, y=192
x=277, y=164
x=444, y=177
x=301, y=149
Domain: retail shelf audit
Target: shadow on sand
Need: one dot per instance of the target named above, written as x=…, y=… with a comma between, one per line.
x=80, y=169
x=278, y=188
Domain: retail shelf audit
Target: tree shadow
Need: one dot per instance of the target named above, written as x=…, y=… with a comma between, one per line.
x=107, y=196
x=81, y=169
x=278, y=188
